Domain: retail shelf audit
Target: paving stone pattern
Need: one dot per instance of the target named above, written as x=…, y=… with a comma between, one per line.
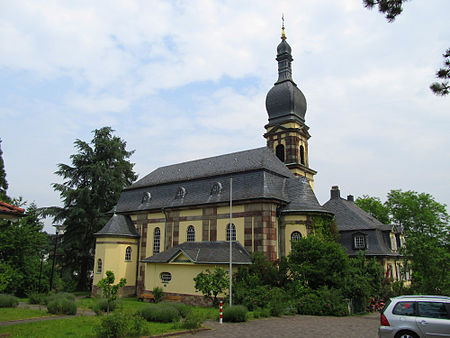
x=298, y=326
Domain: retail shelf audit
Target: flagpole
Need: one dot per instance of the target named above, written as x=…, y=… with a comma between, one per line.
x=231, y=239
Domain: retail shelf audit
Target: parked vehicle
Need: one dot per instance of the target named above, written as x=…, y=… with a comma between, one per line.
x=415, y=317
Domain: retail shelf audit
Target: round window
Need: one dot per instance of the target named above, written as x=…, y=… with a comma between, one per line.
x=166, y=277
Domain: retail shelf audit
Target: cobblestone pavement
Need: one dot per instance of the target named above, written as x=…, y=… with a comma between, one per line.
x=298, y=326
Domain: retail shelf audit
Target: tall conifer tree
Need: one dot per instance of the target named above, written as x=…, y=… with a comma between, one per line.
x=91, y=188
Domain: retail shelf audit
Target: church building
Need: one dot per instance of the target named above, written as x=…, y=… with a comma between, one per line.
x=175, y=222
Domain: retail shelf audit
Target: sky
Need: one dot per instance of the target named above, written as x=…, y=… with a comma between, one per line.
x=183, y=80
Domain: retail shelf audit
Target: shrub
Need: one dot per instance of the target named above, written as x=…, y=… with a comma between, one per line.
x=101, y=306
x=62, y=306
x=59, y=295
x=120, y=324
x=192, y=321
x=261, y=313
x=162, y=313
x=8, y=301
x=322, y=302
x=182, y=308
x=158, y=293
x=37, y=298
x=236, y=313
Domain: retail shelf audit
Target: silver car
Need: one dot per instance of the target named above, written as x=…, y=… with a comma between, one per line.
x=415, y=317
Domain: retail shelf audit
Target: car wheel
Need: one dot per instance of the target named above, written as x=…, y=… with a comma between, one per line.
x=406, y=334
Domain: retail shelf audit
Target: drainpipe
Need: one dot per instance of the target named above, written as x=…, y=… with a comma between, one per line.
x=137, y=262
x=165, y=226
x=278, y=212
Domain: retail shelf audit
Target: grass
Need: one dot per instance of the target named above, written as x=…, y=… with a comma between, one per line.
x=8, y=314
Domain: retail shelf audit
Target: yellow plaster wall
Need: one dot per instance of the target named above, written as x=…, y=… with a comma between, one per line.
x=182, y=276
x=289, y=229
x=222, y=229
x=182, y=235
x=112, y=255
x=226, y=210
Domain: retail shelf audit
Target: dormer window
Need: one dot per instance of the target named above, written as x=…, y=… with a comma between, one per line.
x=359, y=242
x=216, y=188
x=181, y=192
x=146, y=197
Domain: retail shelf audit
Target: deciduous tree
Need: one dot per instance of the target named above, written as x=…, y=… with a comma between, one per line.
x=211, y=283
x=3, y=183
x=375, y=207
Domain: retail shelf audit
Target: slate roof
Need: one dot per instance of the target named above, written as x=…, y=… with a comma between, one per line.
x=243, y=161
x=204, y=253
x=349, y=216
x=9, y=210
x=256, y=174
x=120, y=226
x=351, y=219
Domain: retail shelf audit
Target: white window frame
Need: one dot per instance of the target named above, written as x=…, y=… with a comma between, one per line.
x=359, y=241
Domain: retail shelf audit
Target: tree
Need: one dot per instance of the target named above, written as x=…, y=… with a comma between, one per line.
x=375, y=207
x=21, y=244
x=93, y=183
x=392, y=8
x=212, y=283
x=110, y=291
x=426, y=225
x=318, y=262
x=3, y=182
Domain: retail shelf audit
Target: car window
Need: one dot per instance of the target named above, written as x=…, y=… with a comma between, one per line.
x=404, y=309
x=432, y=310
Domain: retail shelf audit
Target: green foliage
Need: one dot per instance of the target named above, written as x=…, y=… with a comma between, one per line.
x=318, y=262
x=8, y=301
x=62, y=306
x=3, y=182
x=92, y=186
x=37, y=298
x=192, y=321
x=325, y=227
x=183, y=309
x=375, y=207
x=261, y=313
x=121, y=325
x=236, y=313
x=101, y=306
x=442, y=88
x=109, y=290
x=21, y=243
x=158, y=293
x=163, y=313
x=322, y=302
x=60, y=295
x=210, y=284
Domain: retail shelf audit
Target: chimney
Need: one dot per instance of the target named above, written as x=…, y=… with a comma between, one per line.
x=335, y=193
x=350, y=198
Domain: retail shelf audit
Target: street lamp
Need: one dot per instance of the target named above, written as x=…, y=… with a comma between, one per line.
x=54, y=256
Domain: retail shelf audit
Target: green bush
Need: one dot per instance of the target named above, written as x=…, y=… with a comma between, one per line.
x=158, y=293
x=182, y=308
x=59, y=295
x=322, y=302
x=62, y=306
x=261, y=313
x=120, y=324
x=37, y=298
x=236, y=313
x=8, y=301
x=193, y=321
x=101, y=306
x=162, y=313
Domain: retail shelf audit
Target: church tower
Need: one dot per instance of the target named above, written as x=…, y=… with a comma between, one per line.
x=286, y=133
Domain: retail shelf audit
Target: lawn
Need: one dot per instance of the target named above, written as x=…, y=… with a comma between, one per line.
x=8, y=314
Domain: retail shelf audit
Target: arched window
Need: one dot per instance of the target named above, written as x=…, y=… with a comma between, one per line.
x=302, y=155
x=279, y=151
x=156, y=240
x=128, y=253
x=99, y=265
x=295, y=236
x=190, y=234
x=233, y=232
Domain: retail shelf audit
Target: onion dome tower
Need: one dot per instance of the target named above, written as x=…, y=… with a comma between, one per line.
x=287, y=134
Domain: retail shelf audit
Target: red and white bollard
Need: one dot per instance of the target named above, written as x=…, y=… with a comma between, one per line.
x=220, y=317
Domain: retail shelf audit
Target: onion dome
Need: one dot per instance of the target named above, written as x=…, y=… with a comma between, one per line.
x=285, y=101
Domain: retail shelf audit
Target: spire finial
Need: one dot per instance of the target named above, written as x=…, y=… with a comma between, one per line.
x=283, y=35
x=115, y=209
